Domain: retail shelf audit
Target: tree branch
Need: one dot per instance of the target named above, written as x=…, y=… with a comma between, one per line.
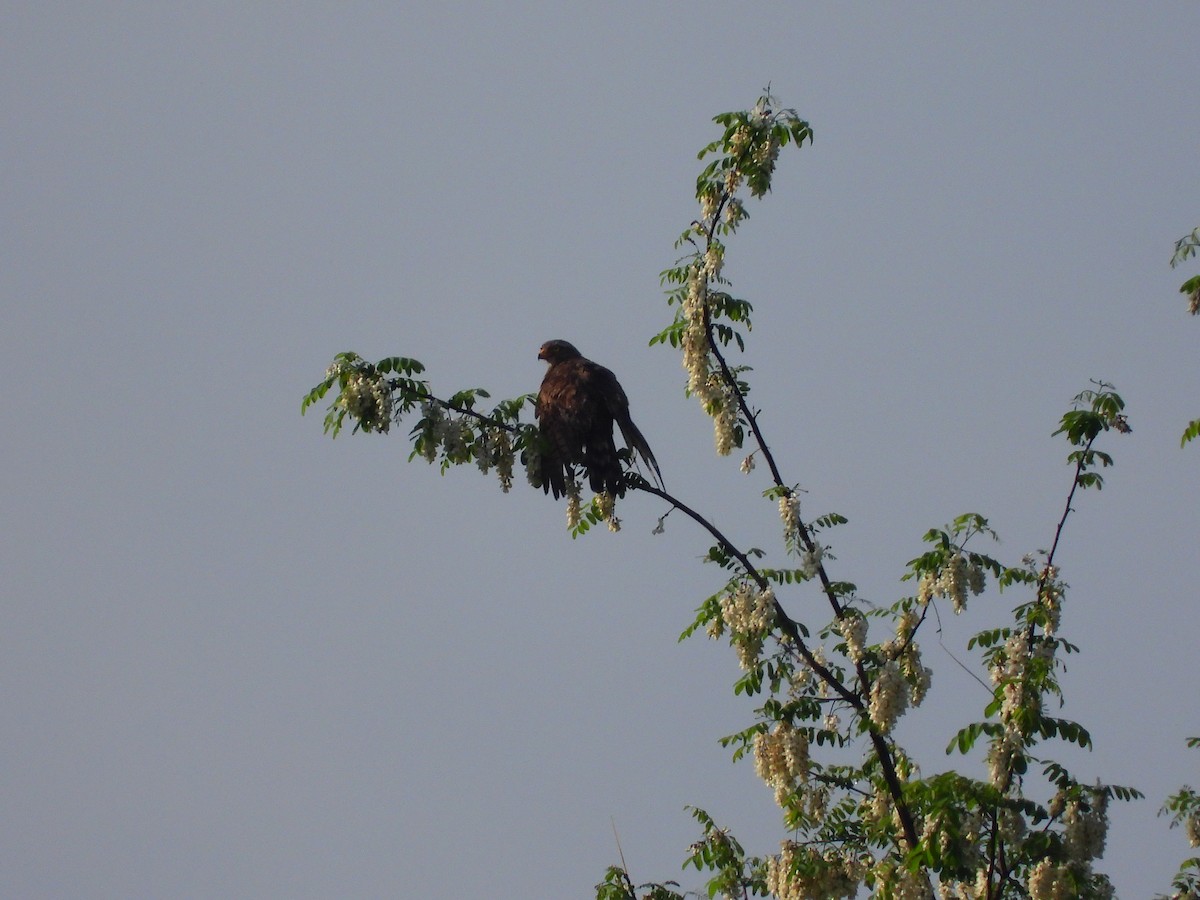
x=882, y=749
x=396, y=384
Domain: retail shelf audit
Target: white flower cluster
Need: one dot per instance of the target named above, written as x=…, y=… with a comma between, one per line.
x=1060, y=881
x=1012, y=825
x=749, y=614
x=802, y=675
x=877, y=808
x=810, y=560
x=1086, y=830
x=1050, y=881
x=1192, y=829
x=494, y=449
x=960, y=890
x=767, y=154
x=889, y=697
x=606, y=506
x=747, y=611
x=734, y=212
x=453, y=435
x=906, y=769
x=900, y=680
x=533, y=464
x=1009, y=670
x=805, y=873
x=1050, y=598
x=853, y=628
x=723, y=409
x=789, y=513
x=741, y=138
x=504, y=459
x=714, y=260
x=753, y=143
x=907, y=885
x=952, y=581
x=955, y=833
x=573, y=506
x=695, y=335
x=816, y=802
x=733, y=181
x=704, y=384
x=457, y=439
x=1000, y=758
x=435, y=418
x=907, y=654
x=781, y=759
x=367, y=398
x=484, y=452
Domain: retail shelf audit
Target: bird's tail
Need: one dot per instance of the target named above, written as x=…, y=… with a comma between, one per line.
x=638, y=446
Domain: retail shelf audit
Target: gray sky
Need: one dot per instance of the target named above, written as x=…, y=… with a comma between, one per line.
x=241, y=660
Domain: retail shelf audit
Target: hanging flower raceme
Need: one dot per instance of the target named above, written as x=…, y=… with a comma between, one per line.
x=573, y=503
x=749, y=615
x=366, y=395
x=953, y=580
x=801, y=872
x=889, y=697
x=781, y=759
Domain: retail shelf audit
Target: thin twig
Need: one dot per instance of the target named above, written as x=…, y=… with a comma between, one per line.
x=621, y=853
x=416, y=393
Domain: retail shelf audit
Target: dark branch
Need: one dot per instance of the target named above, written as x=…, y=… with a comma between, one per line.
x=396, y=385
x=879, y=741
x=786, y=623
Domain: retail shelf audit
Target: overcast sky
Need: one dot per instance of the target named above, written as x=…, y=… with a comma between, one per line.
x=238, y=659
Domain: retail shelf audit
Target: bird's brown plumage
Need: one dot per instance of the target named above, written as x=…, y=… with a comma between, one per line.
x=577, y=405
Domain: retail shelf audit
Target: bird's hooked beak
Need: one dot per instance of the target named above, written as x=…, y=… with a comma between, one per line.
x=542, y=352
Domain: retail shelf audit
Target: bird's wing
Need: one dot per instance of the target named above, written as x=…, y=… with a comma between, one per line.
x=617, y=404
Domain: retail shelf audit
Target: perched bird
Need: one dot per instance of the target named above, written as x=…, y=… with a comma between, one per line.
x=576, y=407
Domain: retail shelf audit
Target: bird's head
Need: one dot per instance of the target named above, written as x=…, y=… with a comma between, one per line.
x=557, y=351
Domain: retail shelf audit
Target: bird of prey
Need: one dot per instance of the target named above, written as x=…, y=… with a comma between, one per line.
x=576, y=407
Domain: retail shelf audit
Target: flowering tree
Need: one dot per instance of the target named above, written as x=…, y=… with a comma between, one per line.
x=857, y=808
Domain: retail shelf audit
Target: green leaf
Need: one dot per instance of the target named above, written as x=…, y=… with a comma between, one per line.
x=966, y=737
x=315, y=394
x=1185, y=247
x=1127, y=794
x=1191, y=432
